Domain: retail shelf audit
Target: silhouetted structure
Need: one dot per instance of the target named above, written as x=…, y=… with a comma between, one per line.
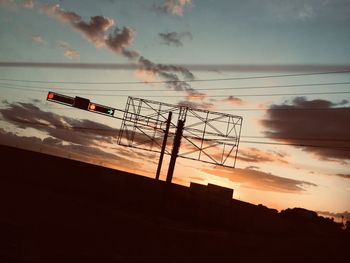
x=58, y=210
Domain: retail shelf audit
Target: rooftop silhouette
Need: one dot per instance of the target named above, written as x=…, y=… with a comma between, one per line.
x=54, y=209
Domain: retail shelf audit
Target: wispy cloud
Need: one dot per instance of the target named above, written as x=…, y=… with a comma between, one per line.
x=254, y=155
x=38, y=39
x=175, y=38
x=167, y=72
x=233, y=100
x=261, y=180
x=345, y=176
x=27, y=4
x=326, y=126
x=68, y=51
x=173, y=7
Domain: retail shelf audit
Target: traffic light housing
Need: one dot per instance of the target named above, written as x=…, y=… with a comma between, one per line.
x=63, y=99
x=81, y=103
x=101, y=109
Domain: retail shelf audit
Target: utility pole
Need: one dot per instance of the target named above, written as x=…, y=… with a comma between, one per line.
x=175, y=151
x=166, y=132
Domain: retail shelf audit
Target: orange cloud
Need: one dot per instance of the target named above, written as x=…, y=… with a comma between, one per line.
x=254, y=155
x=233, y=100
x=260, y=180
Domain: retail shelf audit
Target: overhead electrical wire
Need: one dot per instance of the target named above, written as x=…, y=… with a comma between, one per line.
x=194, y=95
x=177, y=81
x=170, y=90
x=244, y=109
x=75, y=128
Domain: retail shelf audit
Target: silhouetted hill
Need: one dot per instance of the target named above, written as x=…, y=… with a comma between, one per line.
x=59, y=210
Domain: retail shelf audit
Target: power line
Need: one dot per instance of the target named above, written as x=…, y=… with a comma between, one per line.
x=74, y=128
x=297, y=138
x=250, y=109
x=177, y=81
x=196, y=89
x=194, y=96
x=299, y=145
x=219, y=96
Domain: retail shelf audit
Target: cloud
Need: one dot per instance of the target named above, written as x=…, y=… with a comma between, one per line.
x=254, y=155
x=167, y=72
x=346, y=176
x=96, y=30
x=196, y=105
x=308, y=10
x=57, y=147
x=260, y=180
x=64, y=129
x=38, y=39
x=175, y=38
x=120, y=41
x=174, y=7
x=81, y=138
x=69, y=52
x=27, y=4
x=233, y=100
x=295, y=9
x=301, y=123
x=345, y=214
x=83, y=132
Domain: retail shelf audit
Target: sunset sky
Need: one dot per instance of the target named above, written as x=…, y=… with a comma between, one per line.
x=281, y=65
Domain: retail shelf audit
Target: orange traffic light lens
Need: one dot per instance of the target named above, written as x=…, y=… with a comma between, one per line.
x=92, y=106
x=51, y=95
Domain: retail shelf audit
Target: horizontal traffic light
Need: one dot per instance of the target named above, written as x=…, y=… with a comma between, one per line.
x=81, y=103
x=52, y=96
x=101, y=109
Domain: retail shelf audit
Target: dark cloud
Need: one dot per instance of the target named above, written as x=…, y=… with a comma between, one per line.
x=57, y=147
x=120, y=40
x=167, y=72
x=83, y=132
x=233, y=100
x=62, y=131
x=260, y=180
x=95, y=30
x=79, y=138
x=196, y=105
x=322, y=124
x=175, y=38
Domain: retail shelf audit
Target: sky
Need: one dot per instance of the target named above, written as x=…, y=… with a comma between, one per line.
x=282, y=65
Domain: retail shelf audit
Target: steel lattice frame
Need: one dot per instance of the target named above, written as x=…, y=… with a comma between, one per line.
x=208, y=136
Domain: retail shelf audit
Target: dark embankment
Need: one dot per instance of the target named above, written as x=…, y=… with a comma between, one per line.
x=58, y=210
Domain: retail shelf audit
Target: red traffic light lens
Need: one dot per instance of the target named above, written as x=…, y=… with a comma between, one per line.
x=51, y=95
x=92, y=106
